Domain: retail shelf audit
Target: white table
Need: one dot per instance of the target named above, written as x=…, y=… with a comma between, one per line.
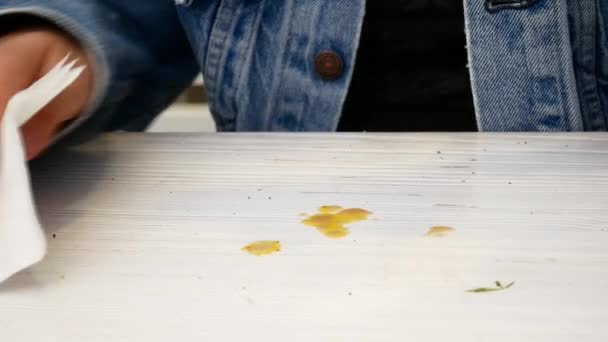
x=148, y=231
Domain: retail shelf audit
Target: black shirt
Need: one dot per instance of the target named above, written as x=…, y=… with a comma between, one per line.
x=410, y=73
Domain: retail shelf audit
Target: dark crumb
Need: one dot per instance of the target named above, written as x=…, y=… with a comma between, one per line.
x=510, y=183
x=62, y=276
x=350, y=293
x=113, y=178
x=248, y=197
x=565, y=145
x=54, y=236
x=473, y=173
x=438, y=152
x=269, y=197
x=473, y=159
x=531, y=213
x=259, y=189
x=463, y=181
x=485, y=150
x=525, y=142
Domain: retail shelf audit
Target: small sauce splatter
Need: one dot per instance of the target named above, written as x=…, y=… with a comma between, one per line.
x=439, y=231
x=262, y=247
x=332, y=219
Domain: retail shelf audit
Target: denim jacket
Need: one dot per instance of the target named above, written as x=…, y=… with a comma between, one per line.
x=535, y=65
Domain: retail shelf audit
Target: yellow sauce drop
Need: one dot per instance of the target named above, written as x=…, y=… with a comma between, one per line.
x=352, y=215
x=439, y=231
x=262, y=247
x=330, y=209
x=332, y=219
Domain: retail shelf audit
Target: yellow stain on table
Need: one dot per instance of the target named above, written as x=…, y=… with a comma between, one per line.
x=262, y=247
x=331, y=220
x=329, y=209
x=439, y=231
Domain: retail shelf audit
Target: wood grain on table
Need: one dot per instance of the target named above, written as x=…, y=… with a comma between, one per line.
x=146, y=231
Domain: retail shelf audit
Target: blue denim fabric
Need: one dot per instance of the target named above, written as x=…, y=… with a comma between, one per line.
x=599, y=74
x=535, y=65
x=583, y=19
x=257, y=60
x=521, y=67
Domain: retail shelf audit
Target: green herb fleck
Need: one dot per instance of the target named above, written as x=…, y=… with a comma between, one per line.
x=499, y=287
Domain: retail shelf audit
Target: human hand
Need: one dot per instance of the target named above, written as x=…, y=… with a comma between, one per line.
x=26, y=56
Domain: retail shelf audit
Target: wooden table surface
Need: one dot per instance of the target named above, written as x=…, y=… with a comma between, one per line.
x=146, y=231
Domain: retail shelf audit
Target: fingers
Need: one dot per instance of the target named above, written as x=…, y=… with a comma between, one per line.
x=40, y=130
x=28, y=56
x=16, y=76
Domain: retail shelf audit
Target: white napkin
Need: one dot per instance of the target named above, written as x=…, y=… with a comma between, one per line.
x=22, y=241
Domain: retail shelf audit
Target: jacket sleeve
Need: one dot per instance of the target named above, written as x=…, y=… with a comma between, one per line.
x=140, y=54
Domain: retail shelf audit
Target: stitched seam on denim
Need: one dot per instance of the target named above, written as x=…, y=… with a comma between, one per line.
x=563, y=95
x=225, y=92
x=590, y=100
x=248, y=51
x=597, y=103
x=601, y=20
x=572, y=111
x=311, y=48
x=216, y=49
x=283, y=67
x=472, y=75
x=563, y=87
x=596, y=96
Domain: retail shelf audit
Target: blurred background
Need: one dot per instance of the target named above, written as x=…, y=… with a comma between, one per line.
x=190, y=113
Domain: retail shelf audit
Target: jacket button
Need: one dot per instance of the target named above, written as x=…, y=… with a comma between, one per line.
x=329, y=65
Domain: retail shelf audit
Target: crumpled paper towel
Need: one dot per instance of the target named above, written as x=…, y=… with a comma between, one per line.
x=22, y=241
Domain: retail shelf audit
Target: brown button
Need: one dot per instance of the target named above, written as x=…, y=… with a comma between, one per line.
x=329, y=65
